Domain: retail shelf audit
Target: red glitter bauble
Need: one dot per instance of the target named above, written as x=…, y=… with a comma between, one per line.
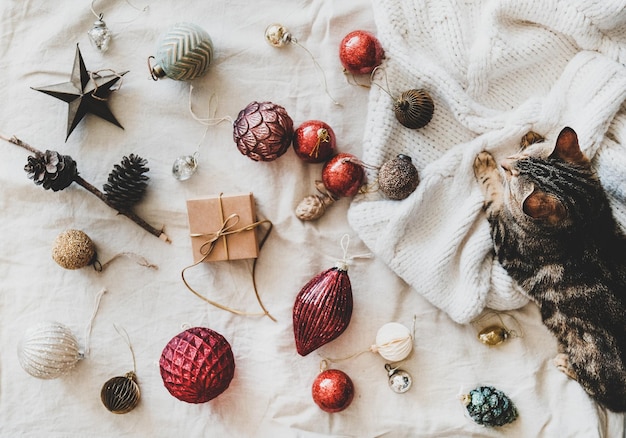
x=322, y=309
x=263, y=131
x=333, y=390
x=343, y=175
x=360, y=52
x=314, y=141
x=197, y=365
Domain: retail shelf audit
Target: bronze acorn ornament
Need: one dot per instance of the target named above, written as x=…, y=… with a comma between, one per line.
x=414, y=109
x=121, y=394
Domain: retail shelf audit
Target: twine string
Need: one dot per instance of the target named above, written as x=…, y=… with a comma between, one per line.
x=126, y=339
x=140, y=260
x=90, y=323
x=93, y=75
x=319, y=68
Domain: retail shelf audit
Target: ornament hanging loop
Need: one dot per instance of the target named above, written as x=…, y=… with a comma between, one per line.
x=278, y=36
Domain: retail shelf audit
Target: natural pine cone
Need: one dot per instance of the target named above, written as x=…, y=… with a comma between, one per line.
x=127, y=182
x=263, y=131
x=51, y=169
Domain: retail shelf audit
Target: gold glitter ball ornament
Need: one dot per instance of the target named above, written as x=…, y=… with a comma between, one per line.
x=398, y=177
x=73, y=249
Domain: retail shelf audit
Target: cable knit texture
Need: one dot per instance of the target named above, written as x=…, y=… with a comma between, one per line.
x=495, y=69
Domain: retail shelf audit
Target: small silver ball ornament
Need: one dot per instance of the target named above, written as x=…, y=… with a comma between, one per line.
x=399, y=380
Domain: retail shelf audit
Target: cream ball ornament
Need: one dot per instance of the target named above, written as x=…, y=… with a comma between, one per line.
x=48, y=350
x=394, y=342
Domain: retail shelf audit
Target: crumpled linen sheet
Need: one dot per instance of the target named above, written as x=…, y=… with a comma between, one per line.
x=270, y=394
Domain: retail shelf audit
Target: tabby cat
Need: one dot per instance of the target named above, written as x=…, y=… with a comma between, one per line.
x=554, y=233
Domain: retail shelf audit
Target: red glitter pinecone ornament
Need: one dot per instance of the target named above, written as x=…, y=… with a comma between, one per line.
x=322, y=309
x=197, y=365
x=263, y=131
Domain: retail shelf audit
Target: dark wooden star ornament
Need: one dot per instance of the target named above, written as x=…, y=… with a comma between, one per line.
x=86, y=92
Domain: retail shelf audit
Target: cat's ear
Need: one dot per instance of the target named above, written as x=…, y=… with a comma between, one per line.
x=541, y=205
x=567, y=147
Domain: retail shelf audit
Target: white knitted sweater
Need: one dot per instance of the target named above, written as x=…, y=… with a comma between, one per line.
x=495, y=69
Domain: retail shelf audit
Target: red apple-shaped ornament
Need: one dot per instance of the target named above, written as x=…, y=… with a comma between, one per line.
x=197, y=365
x=360, y=52
x=314, y=141
x=263, y=131
x=343, y=175
x=332, y=390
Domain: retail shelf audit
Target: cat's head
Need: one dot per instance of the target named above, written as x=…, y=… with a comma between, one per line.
x=549, y=185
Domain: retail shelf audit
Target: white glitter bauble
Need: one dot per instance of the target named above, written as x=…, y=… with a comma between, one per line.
x=48, y=350
x=394, y=342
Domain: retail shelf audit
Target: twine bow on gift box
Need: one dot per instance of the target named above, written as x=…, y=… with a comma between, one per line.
x=228, y=228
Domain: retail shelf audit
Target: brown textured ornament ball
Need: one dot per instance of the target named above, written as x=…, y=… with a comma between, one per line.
x=263, y=131
x=398, y=177
x=332, y=390
x=121, y=394
x=73, y=249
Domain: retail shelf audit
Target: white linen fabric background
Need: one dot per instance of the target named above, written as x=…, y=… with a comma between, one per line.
x=270, y=394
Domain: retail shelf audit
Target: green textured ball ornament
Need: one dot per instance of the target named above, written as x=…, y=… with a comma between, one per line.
x=184, y=53
x=489, y=406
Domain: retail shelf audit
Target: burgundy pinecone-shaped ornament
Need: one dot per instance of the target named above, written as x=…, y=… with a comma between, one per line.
x=197, y=365
x=127, y=183
x=263, y=131
x=51, y=170
x=322, y=309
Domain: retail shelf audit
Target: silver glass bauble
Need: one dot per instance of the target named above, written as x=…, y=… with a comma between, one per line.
x=100, y=35
x=399, y=380
x=48, y=350
x=184, y=167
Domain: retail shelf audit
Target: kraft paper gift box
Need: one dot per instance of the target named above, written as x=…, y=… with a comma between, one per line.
x=223, y=213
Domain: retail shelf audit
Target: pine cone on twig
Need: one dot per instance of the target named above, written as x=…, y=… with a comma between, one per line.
x=127, y=183
x=57, y=172
x=51, y=170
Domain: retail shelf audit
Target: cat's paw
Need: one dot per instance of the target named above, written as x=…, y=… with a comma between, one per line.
x=531, y=137
x=484, y=165
x=561, y=361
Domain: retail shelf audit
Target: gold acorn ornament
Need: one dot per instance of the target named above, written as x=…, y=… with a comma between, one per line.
x=494, y=334
x=398, y=177
x=312, y=207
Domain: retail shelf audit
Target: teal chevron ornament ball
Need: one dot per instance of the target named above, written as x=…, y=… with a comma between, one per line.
x=184, y=53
